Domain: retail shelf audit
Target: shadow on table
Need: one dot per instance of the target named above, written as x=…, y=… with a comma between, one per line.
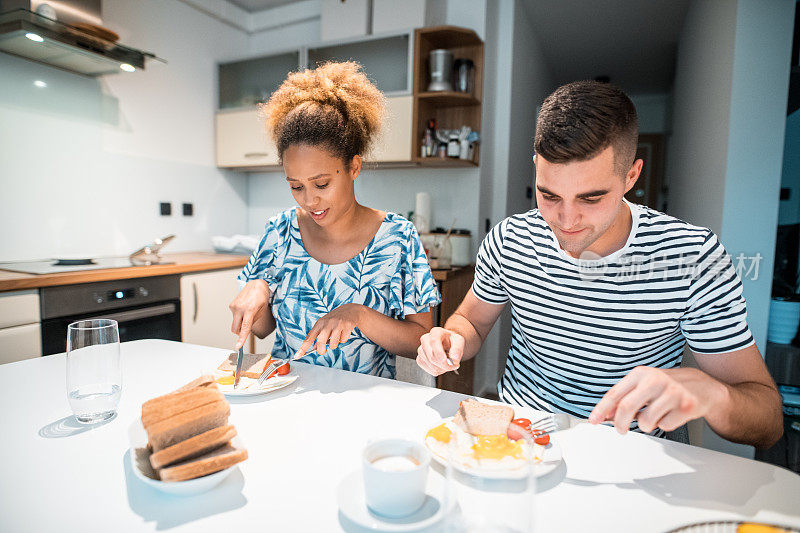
x=169, y=511
x=69, y=426
x=717, y=481
x=446, y=403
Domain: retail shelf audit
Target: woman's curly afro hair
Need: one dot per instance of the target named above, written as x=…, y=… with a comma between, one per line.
x=333, y=106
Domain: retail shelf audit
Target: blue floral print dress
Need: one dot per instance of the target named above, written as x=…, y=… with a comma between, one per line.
x=390, y=275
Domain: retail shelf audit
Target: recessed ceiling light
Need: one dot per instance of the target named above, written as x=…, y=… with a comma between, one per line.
x=127, y=68
x=34, y=37
x=40, y=83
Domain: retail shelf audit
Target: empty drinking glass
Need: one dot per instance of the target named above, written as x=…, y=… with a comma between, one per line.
x=94, y=378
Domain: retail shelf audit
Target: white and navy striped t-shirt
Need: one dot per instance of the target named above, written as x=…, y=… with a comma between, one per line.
x=579, y=326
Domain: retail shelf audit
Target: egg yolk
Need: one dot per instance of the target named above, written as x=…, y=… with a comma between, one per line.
x=440, y=433
x=225, y=380
x=496, y=447
x=756, y=528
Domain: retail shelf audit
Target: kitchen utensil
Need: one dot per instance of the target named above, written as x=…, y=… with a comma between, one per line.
x=465, y=75
x=453, y=146
x=273, y=365
x=353, y=505
x=237, y=373
x=395, y=476
x=150, y=254
x=140, y=452
x=422, y=212
x=94, y=378
x=461, y=241
x=440, y=63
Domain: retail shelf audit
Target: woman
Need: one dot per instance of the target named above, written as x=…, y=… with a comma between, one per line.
x=332, y=275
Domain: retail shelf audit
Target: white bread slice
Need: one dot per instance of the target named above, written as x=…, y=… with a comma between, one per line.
x=477, y=418
x=193, y=447
x=187, y=424
x=175, y=403
x=202, y=381
x=253, y=364
x=213, y=461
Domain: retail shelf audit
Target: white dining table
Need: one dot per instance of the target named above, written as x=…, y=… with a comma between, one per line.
x=59, y=475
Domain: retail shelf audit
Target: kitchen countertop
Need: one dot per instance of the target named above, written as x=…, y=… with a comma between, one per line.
x=304, y=439
x=181, y=264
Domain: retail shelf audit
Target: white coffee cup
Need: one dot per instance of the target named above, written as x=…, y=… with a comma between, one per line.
x=395, y=476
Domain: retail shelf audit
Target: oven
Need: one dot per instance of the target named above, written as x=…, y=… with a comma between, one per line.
x=145, y=308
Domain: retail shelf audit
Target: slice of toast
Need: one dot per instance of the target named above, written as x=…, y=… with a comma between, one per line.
x=253, y=364
x=174, y=403
x=202, y=381
x=187, y=424
x=211, y=462
x=193, y=447
x=478, y=418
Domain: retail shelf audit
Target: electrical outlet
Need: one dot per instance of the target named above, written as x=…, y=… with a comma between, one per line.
x=166, y=208
x=188, y=209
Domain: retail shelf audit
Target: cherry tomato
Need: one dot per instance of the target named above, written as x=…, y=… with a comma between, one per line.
x=518, y=428
x=542, y=439
x=524, y=423
x=283, y=370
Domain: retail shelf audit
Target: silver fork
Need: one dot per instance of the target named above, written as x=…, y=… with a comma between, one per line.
x=274, y=365
x=545, y=425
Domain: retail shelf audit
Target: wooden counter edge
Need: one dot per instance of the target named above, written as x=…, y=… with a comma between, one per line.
x=197, y=262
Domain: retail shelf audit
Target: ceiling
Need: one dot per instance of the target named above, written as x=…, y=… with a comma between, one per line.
x=253, y=6
x=633, y=42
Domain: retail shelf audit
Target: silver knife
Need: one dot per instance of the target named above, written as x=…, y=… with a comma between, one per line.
x=237, y=373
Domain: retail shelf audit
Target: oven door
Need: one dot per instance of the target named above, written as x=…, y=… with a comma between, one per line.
x=158, y=321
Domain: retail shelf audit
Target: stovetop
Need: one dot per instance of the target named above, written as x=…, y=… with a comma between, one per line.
x=53, y=266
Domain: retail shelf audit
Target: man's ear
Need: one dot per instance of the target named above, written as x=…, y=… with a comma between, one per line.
x=633, y=174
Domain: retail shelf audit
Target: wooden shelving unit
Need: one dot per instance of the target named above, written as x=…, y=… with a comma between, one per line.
x=450, y=109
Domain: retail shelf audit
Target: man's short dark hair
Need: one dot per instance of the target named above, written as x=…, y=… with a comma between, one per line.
x=581, y=119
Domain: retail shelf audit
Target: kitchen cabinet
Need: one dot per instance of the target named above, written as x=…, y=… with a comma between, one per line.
x=394, y=142
x=247, y=82
x=205, y=317
x=243, y=141
x=450, y=109
x=20, y=334
x=386, y=59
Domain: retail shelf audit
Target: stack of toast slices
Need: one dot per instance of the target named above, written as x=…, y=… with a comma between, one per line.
x=188, y=432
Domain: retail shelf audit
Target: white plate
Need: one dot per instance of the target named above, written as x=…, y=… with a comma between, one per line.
x=140, y=464
x=551, y=458
x=350, y=496
x=248, y=386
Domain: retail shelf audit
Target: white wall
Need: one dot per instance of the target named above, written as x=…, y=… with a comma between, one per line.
x=725, y=155
x=85, y=161
x=652, y=112
x=522, y=80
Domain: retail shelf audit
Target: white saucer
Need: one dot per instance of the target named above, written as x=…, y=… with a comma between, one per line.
x=350, y=496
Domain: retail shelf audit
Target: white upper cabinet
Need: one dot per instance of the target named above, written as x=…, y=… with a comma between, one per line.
x=394, y=142
x=243, y=140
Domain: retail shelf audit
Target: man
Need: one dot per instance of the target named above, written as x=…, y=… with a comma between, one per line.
x=604, y=294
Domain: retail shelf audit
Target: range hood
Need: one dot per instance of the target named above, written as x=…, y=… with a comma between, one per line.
x=33, y=36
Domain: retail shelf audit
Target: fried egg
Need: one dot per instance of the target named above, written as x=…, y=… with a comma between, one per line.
x=489, y=452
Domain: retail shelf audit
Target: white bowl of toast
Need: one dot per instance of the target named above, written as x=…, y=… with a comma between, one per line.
x=183, y=444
